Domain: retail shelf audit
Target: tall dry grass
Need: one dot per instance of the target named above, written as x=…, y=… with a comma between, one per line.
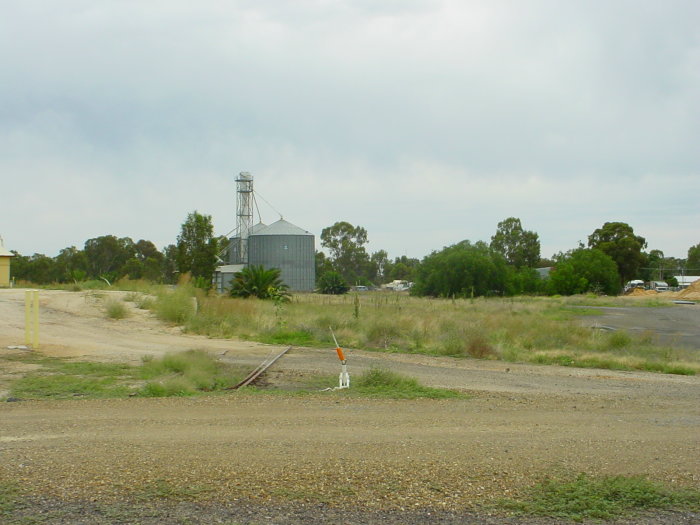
x=524, y=329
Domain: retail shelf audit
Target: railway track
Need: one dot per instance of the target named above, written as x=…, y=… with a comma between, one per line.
x=259, y=370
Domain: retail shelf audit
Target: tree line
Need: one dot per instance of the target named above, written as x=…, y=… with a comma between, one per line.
x=507, y=265
x=111, y=258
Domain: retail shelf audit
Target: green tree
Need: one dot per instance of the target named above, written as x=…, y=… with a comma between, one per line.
x=402, y=269
x=197, y=248
x=617, y=240
x=692, y=264
x=257, y=281
x=71, y=264
x=332, y=283
x=323, y=264
x=147, y=263
x=523, y=281
x=133, y=269
x=584, y=270
x=651, y=266
x=345, y=243
x=169, y=264
x=145, y=249
x=378, y=265
x=544, y=263
x=520, y=248
x=462, y=270
x=107, y=254
x=19, y=267
x=153, y=269
x=39, y=269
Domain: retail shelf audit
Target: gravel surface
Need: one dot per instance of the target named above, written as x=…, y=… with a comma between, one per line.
x=322, y=458
x=59, y=512
x=673, y=325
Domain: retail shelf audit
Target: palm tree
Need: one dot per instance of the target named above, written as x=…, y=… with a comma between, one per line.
x=257, y=281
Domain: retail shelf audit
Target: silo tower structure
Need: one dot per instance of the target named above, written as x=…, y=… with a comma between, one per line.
x=244, y=213
x=280, y=245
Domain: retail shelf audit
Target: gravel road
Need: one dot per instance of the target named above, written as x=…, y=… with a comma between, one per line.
x=324, y=458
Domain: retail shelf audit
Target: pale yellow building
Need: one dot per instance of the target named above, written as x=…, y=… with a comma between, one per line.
x=5, y=257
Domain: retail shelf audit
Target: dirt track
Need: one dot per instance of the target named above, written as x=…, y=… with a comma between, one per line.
x=523, y=423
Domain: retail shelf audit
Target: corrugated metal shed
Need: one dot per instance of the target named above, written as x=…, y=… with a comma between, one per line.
x=223, y=275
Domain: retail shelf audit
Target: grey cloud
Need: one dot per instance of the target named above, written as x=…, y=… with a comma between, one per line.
x=586, y=97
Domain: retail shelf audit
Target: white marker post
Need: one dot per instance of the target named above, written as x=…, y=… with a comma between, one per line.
x=344, y=378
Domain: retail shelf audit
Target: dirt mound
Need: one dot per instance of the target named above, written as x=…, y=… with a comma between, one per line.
x=692, y=292
x=638, y=292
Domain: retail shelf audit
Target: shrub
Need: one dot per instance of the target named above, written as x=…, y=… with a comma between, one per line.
x=184, y=374
x=116, y=309
x=332, y=283
x=176, y=306
x=257, y=281
x=619, y=339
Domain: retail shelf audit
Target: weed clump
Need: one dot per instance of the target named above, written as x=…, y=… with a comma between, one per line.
x=176, y=306
x=380, y=382
x=184, y=374
x=116, y=309
x=604, y=498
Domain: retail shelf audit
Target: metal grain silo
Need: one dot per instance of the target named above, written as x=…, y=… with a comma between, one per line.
x=234, y=246
x=287, y=247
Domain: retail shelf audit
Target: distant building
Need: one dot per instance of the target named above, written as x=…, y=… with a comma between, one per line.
x=543, y=273
x=5, y=257
x=397, y=285
x=280, y=245
x=289, y=248
x=686, y=280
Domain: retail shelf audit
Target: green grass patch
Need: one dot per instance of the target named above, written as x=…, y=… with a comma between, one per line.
x=179, y=374
x=603, y=498
x=383, y=383
x=9, y=497
x=89, y=368
x=185, y=374
x=60, y=386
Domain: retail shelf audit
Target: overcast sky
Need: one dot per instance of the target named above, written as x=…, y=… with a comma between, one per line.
x=425, y=121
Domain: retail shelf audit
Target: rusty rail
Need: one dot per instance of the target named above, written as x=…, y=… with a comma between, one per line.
x=259, y=370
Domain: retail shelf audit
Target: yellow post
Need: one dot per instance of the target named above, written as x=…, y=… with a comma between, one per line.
x=31, y=318
x=36, y=319
x=27, y=317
